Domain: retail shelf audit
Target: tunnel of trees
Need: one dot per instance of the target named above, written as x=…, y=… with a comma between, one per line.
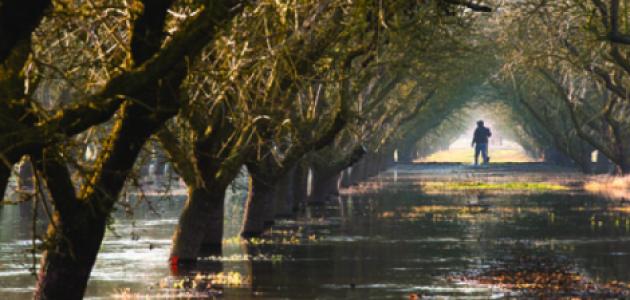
x=90, y=90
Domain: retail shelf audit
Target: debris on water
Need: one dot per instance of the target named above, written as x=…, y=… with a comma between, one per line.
x=199, y=286
x=274, y=258
x=541, y=275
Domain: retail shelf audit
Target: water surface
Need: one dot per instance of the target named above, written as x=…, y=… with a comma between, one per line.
x=388, y=240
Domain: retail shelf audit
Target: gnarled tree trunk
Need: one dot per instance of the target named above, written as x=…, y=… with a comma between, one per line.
x=5, y=173
x=200, y=228
x=258, y=198
x=325, y=183
x=25, y=180
x=76, y=233
x=300, y=187
x=345, y=181
x=284, y=194
x=553, y=156
x=66, y=268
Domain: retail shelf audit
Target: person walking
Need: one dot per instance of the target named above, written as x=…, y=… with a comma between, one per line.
x=480, y=142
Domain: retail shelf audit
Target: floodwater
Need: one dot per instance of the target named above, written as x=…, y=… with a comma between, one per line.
x=390, y=238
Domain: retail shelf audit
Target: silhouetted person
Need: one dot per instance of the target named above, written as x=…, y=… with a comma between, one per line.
x=480, y=142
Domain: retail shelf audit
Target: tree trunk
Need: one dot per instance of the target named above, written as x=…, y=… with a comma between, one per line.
x=300, y=182
x=66, y=269
x=258, y=196
x=77, y=231
x=358, y=171
x=372, y=164
x=269, y=210
x=325, y=183
x=284, y=195
x=384, y=161
x=345, y=180
x=553, y=156
x=25, y=180
x=603, y=164
x=200, y=229
x=5, y=173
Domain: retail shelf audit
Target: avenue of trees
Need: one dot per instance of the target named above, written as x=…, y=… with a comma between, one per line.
x=283, y=88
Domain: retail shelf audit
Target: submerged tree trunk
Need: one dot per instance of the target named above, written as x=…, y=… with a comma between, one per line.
x=258, y=197
x=603, y=164
x=269, y=211
x=25, y=180
x=284, y=197
x=65, y=269
x=300, y=187
x=326, y=174
x=624, y=169
x=325, y=183
x=358, y=171
x=385, y=161
x=76, y=233
x=371, y=165
x=553, y=156
x=345, y=180
x=5, y=173
x=200, y=228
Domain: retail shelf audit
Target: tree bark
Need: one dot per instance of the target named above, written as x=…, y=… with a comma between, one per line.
x=325, y=183
x=300, y=182
x=624, y=169
x=65, y=269
x=371, y=165
x=358, y=171
x=345, y=180
x=5, y=173
x=384, y=161
x=284, y=195
x=553, y=156
x=200, y=228
x=258, y=197
x=269, y=211
x=603, y=164
x=25, y=180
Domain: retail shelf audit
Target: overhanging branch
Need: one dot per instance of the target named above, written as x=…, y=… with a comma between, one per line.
x=470, y=4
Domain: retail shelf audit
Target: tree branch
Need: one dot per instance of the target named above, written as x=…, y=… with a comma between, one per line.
x=181, y=161
x=470, y=4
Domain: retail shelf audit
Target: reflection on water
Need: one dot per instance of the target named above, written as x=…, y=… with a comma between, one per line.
x=380, y=244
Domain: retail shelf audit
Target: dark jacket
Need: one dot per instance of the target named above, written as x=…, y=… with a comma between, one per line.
x=481, y=135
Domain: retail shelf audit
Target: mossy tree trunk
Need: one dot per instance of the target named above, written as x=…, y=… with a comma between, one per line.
x=25, y=179
x=554, y=156
x=259, y=198
x=300, y=187
x=285, y=197
x=325, y=183
x=200, y=228
x=327, y=166
x=357, y=173
x=345, y=181
x=5, y=173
